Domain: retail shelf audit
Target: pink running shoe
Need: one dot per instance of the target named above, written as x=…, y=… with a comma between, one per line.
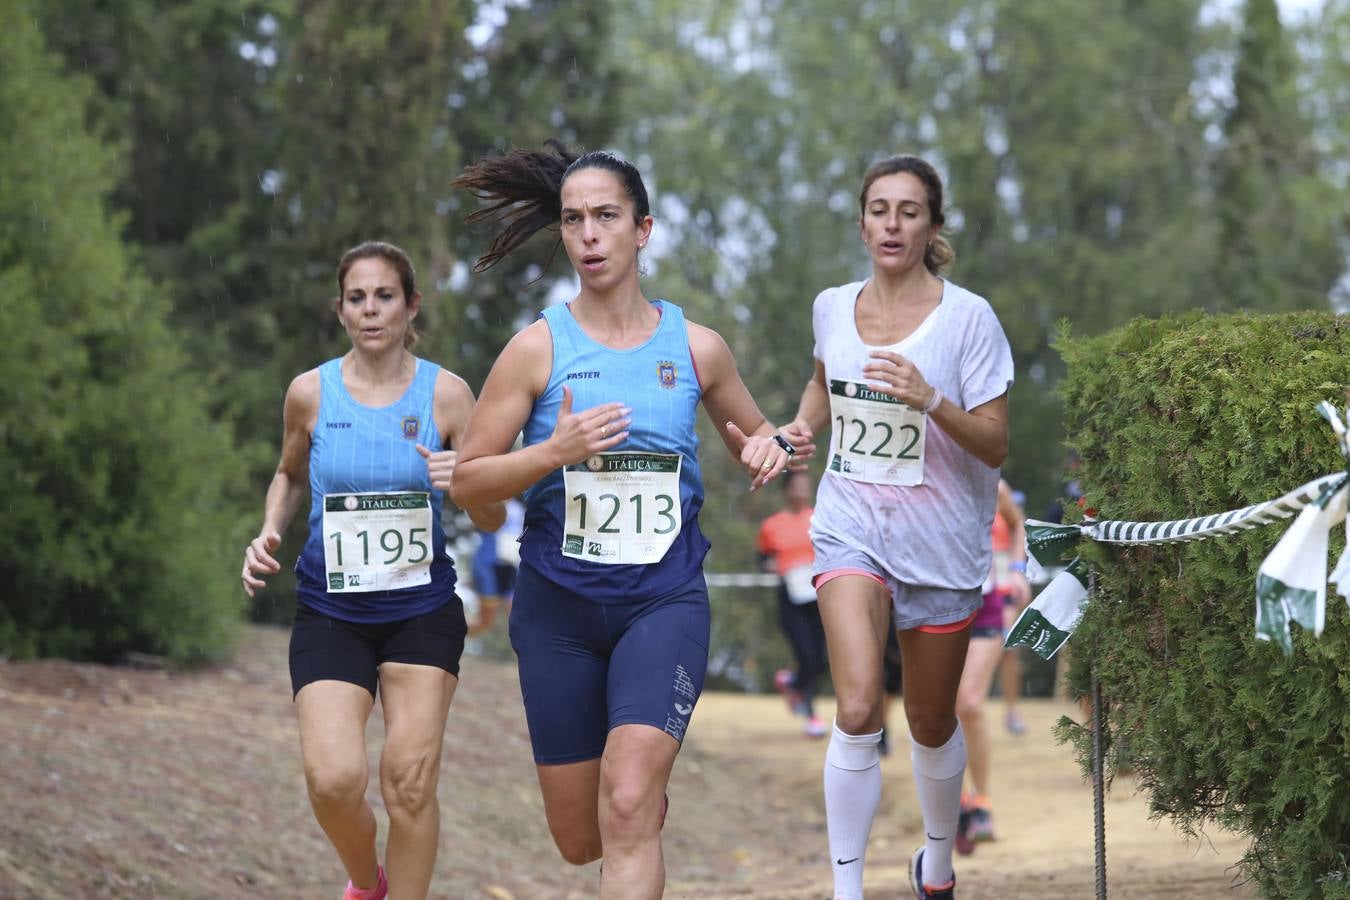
x=783, y=680
x=378, y=892
x=815, y=728
x=965, y=845
x=981, y=828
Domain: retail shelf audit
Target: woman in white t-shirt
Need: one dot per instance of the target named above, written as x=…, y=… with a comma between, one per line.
x=912, y=375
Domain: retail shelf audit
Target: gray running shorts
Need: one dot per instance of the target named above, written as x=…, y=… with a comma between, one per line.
x=912, y=605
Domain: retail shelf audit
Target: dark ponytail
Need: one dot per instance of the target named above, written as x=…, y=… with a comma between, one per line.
x=522, y=191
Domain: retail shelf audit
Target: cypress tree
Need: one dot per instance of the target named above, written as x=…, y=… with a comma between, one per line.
x=113, y=537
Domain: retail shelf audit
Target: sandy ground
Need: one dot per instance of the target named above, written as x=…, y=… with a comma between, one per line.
x=127, y=783
x=1043, y=813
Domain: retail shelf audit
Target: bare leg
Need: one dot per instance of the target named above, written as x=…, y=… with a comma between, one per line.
x=333, y=718
x=977, y=676
x=487, y=614
x=1010, y=679
x=633, y=775
x=571, y=795
x=416, y=700
x=856, y=613
x=1010, y=673
x=932, y=665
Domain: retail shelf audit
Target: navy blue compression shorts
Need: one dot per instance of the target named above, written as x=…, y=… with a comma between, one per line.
x=588, y=667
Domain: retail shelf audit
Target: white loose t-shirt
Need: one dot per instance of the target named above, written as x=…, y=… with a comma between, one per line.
x=937, y=533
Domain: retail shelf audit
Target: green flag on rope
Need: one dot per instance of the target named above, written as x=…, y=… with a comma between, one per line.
x=1046, y=624
x=1048, y=543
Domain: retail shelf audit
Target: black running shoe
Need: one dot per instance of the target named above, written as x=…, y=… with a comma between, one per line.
x=926, y=891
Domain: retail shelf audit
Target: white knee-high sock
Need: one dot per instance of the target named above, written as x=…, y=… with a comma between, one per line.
x=937, y=774
x=852, y=795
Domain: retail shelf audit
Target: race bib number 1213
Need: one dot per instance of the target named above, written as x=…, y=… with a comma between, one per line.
x=622, y=508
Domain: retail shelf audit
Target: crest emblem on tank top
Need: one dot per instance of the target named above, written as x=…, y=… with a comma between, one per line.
x=411, y=425
x=665, y=373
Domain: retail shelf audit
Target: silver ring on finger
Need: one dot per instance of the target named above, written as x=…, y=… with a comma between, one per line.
x=604, y=431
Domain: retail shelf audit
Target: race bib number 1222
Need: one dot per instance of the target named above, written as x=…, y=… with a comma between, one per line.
x=876, y=438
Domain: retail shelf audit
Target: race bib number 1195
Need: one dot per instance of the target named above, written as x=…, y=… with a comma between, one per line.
x=378, y=541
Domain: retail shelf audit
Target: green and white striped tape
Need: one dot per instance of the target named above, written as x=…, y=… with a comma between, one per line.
x=1290, y=583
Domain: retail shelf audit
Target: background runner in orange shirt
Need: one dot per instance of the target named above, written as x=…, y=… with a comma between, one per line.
x=785, y=548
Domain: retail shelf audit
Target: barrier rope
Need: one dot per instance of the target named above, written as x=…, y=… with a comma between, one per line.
x=1291, y=581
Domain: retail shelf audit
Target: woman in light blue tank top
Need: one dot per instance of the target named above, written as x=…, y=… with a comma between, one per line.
x=610, y=616
x=370, y=438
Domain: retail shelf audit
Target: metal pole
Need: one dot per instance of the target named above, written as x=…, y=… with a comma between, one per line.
x=1098, y=776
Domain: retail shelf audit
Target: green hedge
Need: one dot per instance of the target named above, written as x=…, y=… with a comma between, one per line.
x=1188, y=416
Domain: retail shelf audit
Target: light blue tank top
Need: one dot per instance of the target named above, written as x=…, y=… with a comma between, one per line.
x=360, y=449
x=657, y=379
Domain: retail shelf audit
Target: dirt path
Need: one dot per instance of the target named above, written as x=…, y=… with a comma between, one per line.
x=124, y=783
x=1043, y=813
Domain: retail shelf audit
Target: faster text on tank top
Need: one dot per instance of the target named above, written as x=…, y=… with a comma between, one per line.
x=585, y=525
x=376, y=546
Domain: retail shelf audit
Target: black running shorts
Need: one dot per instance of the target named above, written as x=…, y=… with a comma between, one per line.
x=325, y=648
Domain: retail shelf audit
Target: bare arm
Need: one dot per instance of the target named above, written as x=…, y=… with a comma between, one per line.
x=813, y=414
x=1012, y=514
x=1018, y=586
x=452, y=406
x=747, y=434
x=488, y=470
x=981, y=432
x=289, y=484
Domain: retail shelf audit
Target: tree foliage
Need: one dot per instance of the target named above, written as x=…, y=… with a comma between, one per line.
x=291, y=132
x=1078, y=143
x=114, y=533
x=1103, y=161
x=1278, y=246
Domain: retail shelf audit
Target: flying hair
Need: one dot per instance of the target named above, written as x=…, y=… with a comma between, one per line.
x=523, y=192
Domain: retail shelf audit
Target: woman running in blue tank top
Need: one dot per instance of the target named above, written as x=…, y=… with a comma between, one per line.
x=610, y=618
x=368, y=438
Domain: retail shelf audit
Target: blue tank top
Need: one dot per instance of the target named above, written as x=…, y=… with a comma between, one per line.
x=360, y=449
x=658, y=381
